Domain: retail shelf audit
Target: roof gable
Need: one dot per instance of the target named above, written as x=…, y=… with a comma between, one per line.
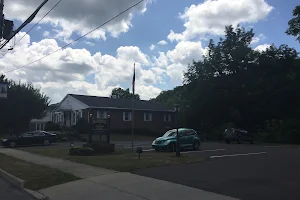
x=106, y=102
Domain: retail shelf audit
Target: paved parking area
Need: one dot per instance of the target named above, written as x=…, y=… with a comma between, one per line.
x=243, y=171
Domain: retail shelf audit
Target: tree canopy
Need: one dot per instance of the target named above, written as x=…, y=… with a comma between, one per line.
x=238, y=86
x=24, y=102
x=123, y=94
x=294, y=24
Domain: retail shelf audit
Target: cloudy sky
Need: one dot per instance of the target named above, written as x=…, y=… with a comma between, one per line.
x=160, y=36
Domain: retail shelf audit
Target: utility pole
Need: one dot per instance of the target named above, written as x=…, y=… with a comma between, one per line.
x=1, y=18
x=30, y=18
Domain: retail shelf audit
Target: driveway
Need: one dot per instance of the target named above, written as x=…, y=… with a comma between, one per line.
x=242, y=171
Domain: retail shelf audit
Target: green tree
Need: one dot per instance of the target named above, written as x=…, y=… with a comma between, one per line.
x=294, y=24
x=123, y=94
x=24, y=103
x=236, y=85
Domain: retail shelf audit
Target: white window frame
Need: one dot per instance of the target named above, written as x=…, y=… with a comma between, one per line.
x=167, y=117
x=129, y=116
x=149, y=117
x=74, y=117
x=102, y=114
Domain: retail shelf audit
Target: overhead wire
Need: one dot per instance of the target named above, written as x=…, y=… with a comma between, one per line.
x=38, y=22
x=68, y=44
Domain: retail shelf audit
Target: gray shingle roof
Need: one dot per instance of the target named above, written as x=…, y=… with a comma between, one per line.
x=106, y=102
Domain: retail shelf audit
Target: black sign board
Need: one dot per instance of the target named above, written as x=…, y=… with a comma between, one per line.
x=99, y=124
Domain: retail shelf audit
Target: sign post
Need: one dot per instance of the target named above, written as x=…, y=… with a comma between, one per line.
x=101, y=125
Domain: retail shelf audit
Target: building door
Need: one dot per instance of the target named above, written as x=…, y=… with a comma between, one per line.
x=68, y=118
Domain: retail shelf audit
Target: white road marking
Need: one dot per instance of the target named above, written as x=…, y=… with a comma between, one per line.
x=148, y=150
x=203, y=151
x=242, y=154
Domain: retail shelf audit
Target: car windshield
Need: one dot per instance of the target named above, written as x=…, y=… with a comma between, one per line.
x=170, y=133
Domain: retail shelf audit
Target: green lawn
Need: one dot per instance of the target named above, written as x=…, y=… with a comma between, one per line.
x=36, y=176
x=120, y=161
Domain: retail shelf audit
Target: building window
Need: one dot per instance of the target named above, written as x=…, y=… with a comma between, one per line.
x=38, y=127
x=42, y=127
x=126, y=116
x=147, y=117
x=74, y=118
x=102, y=114
x=167, y=117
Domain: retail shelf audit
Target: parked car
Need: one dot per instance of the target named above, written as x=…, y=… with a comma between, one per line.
x=238, y=135
x=30, y=138
x=188, y=139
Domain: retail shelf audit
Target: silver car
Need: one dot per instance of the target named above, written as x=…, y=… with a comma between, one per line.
x=239, y=135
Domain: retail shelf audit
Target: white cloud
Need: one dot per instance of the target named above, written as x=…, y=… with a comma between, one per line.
x=67, y=70
x=211, y=16
x=76, y=16
x=174, y=62
x=262, y=47
x=46, y=34
x=152, y=47
x=89, y=43
x=257, y=39
x=161, y=61
x=162, y=42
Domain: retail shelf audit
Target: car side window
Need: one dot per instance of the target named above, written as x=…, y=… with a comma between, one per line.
x=38, y=134
x=29, y=134
x=182, y=133
x=190, y=132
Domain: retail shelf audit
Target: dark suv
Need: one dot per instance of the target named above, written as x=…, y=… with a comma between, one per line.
x=239, y=135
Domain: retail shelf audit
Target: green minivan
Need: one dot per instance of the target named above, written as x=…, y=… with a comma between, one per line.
x=188, y=139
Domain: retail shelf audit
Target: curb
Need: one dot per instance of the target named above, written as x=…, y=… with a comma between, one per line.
x=19, y=183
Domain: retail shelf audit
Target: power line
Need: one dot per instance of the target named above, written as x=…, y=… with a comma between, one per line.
x=38, y=22
x=77, y=38
x=4, y=54
x=33, y=26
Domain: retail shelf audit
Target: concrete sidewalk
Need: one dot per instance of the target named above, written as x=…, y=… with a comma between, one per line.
x=77, y=169
x=99, y=183
x=126, y=186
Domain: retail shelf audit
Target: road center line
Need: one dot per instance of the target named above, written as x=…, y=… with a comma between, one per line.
x=242, y=154
x=203, y=151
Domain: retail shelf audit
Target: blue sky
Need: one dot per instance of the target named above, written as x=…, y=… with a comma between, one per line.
x=269, y=19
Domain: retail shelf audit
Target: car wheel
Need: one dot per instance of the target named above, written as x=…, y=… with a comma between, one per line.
x=12, y=144
x=171, y=147
x=196, y=145
x=46, y=142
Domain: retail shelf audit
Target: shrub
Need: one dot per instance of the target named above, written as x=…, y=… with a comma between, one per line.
x=81, y=151
x=101, y=147
x=81, y=126
x=50, y=126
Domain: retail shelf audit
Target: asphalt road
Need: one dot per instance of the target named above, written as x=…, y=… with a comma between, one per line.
x=243, y=171
x=9, y=192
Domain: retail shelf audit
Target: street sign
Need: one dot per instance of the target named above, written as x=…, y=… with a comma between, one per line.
x=99, y=124
x=3, y=90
